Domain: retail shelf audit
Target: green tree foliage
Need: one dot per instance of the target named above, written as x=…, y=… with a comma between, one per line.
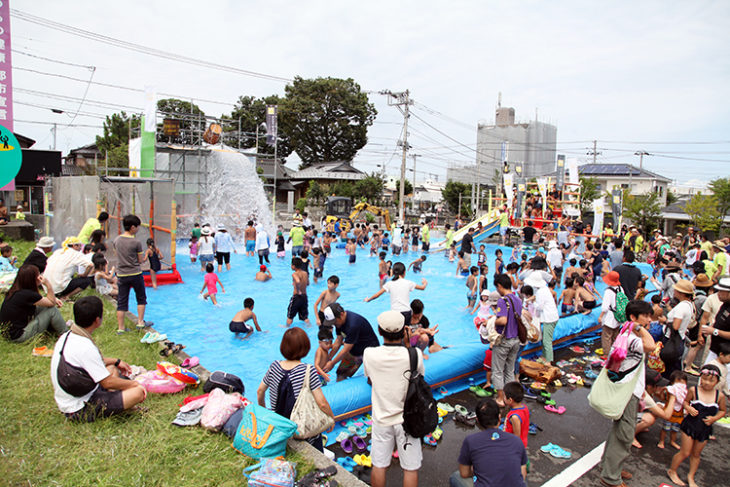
x=588, y=192
x=721, y=190
x=343, y=188
x=316, y=192
x=671, y=197
x=114, y=144
x=191, y=117
x=451, y=193
x=407, y=190
x=301, y=204
x=369, y=188
x=326, y=119
x=644, y=211
x=704, y=213
x=252, y=113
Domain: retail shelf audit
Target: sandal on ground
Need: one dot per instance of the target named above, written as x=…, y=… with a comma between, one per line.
x=146, y=324
x=463, y=419
x=446, y=407
x=347, y=445
x=437, y=433
x=359, y=443
x=430, y=440
x=461, y=410
x=557, y=410
x=190, y=362
x=442, y=390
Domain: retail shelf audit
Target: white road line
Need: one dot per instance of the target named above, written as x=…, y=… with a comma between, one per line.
x=577, y=469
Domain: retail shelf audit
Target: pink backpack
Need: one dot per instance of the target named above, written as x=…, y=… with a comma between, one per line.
x=219, y=408
x=620, y=348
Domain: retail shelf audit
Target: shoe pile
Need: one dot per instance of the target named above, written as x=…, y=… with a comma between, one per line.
x=319, y=478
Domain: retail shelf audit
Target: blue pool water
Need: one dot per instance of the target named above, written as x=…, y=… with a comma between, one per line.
x=180, y=312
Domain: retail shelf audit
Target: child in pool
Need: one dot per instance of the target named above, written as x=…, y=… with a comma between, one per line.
x=154, y=255
x=481, y=256
x=472, y=284
x=210, y=282
x=351, y=250
x=238, y=323
x=280, y=251
x=704, y=405
x=462, y=267
x=106, y=283
x=452, y=252
x=322, y=355
x=678, y=389
x=193, y=246
x=498, y=263
x=416, y=264
x=382, y=270
x=328, y=296
x=263, y=274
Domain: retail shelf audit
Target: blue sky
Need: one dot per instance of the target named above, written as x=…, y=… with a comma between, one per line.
x=634, y=75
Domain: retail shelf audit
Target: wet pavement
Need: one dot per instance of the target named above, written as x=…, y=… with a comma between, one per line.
x=579, y=430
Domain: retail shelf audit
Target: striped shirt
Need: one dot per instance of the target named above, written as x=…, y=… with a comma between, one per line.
x=296, y=375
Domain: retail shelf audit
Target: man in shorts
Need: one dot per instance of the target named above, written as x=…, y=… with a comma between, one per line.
x=354, y=335
x=130, y=255
x=249, y=235
x=388, y=367
x=108, y=392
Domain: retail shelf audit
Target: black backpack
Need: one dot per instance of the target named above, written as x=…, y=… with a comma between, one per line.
x=226, y=382
x=419, y=411
x=285, y=399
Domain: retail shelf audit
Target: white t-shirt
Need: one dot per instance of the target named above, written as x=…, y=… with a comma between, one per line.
x=712, y=305
x=607, y=307
x=555, y=258
x=81, y=352
x=388, y=369
x=262, y=240
x=545, y=305
x=397, y=241
x=685, y=311
x=400, y=293
x=82, y=268
x=62, y=266
x=205, y=245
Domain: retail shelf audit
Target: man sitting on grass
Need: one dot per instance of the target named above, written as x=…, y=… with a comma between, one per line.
x=87, y=385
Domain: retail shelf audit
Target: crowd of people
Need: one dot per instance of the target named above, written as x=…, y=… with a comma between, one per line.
x=683, y=327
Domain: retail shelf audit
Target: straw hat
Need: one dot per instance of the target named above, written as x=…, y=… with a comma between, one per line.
x=702, y=281
x=612, y=278
x=46, y=242
x=205, y=231
x=684, y=287
x=723, y=284
x=719, y=244
x=535, y=281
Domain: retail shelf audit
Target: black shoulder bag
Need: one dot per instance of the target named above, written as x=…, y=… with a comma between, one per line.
x=73, y=380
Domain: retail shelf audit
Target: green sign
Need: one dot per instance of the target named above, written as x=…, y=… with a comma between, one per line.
x=10, y=156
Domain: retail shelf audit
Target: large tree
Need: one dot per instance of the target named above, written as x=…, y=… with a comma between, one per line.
x=252, y=113
x=326, y=119
x=721, y=190
x=703, y=212
x=369, y=188
x=451, y=193
x=190, y=117
x=588, y=192
x=644, y=211
x=114, y=144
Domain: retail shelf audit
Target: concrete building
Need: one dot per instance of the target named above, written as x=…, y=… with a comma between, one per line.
x=532, y=143
x=468, y=174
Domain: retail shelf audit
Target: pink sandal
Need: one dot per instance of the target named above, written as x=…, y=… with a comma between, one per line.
x=553, y=409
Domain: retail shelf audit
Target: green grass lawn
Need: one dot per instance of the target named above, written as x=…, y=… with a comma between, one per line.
x=39, y=447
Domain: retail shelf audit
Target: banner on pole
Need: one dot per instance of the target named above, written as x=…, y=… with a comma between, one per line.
x=598, y=216
x=150, y=109
x=617, y=207
x=521, y=189
x=135, y=157
x=560, y=180
x=508, y=183
x=6, y=88
x=504, y=151
x=572, y=165
x=271, y=124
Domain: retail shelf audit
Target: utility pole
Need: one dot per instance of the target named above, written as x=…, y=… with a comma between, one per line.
x=594, y=152
x=401, y=101
x=641, y=155
x=55, y=131
x=414, y=170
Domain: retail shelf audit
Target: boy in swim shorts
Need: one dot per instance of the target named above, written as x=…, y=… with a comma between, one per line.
x=322, y=355
x=351, y=249
x=238, y=323
x=298, y=303
x=382, y=269
x=328, y=296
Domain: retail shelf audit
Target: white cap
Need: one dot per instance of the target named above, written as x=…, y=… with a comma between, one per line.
x=391, y=321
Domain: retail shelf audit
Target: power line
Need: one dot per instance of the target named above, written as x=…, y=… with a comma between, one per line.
x=16, y=51
x=38, y=122
x=100, y=104
x=68, y=29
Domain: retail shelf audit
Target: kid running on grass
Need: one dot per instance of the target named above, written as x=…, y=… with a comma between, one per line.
x=210, y=282
x=704, y=405
x=238, y=323
x=328, y=296
x=298, y=303
x=154, y=255
x=678, y=389
x=322, y=355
